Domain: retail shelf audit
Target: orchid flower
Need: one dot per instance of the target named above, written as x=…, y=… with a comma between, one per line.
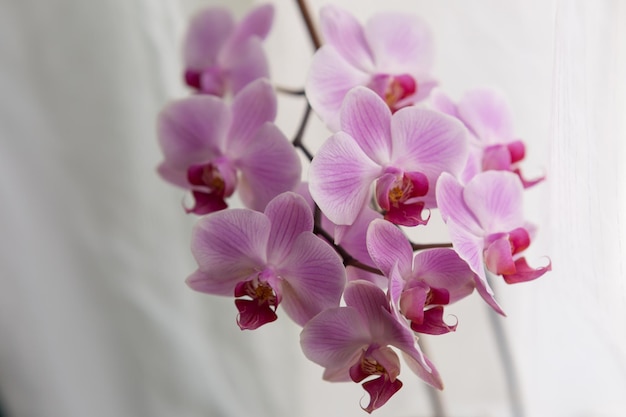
x=266, y=260
x=392, y=55
x=211, y=148
x=419, y=285
x=354, y=343
x=487, y=227
x=222, y=56
x=488, y=118
x=402, y=154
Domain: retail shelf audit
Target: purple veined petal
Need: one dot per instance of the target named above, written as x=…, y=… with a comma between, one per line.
x=244, y=62
x=313, y=278
x=290, y=216
x=400, y=43
x=252, y=107
x=356, y=274
x=428, y=142
x=329, y=79
x=257, y=22
x=443, y=268
x=340, y=177
x=353, y=238
x=495, y=198
x=371, y=302
x=487, y=115
x=192, y=130
x=335, y=338
x=427, y=373
x=452, y=205
x=229, y=245
x=367, y=118
x=208, y=283
x=173, y=175
x=470, y=248
x=388, y=246
x=208, y=32
x=344, y=33
x=269, y=166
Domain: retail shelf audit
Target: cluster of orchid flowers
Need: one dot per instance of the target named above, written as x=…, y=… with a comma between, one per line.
x=399, y=148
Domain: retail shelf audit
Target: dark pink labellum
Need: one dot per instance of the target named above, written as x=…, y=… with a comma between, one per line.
x=433, y=323
x=394, y=89
x=398, y=196
x=211, y=184
x=523, y=272
x=501, y=247
x=380, y=390
x=261, y=309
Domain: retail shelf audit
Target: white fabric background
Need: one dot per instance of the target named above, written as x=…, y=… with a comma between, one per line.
x=95, y=319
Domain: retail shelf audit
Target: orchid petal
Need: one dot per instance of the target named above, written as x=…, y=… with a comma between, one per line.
x=252, y=107
x=470, y=248
x=452, y=205
x=340, y=177
x=487, y=115
x=335, y=338
x=245, y=63
x=428, y=142
x=313, y=278
x=257, y=22
x=269, y=166
x=207, y=283
x=367, y=118
x=388, y=245
x=192, y=130
x=229, y=245
x=495, y=198
x=329, y=80
x=290, y=216
x=427, y=371
x=498, y=258
x=208, y=32
x=442, y=268
x=524, y=273
x=344, y=33
x=399, y=42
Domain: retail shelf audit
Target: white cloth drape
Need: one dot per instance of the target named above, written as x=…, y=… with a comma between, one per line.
x=95, y=319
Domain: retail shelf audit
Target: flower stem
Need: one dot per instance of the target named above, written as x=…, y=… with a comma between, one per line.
x=297, y=140
x=420, y=246
x=305, y=11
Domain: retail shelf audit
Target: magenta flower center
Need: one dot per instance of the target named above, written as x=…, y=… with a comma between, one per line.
x=398, y=196
x=260, y=306
x=394, y=89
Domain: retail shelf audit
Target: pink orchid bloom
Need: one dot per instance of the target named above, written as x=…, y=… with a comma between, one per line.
x=353, y=343
x=266, y=260
x=402, y=154
x=212, y=148
x=222, y=56
x=392, y=55
x=487, y=227
x=493, y=144
x=421, y=285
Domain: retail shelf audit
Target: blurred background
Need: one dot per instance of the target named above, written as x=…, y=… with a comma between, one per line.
x=95, y=318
